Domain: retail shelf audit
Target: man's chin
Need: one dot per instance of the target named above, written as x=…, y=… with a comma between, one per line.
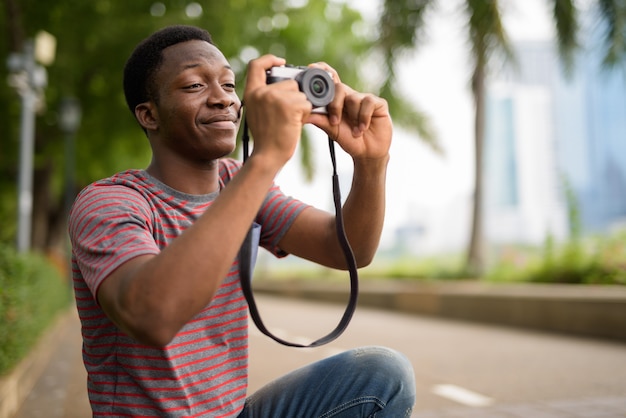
x=227, y=149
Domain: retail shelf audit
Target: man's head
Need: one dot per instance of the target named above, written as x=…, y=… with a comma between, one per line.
x=181, y=89
x=145, y=60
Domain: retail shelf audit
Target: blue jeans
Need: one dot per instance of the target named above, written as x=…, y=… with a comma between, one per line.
x=364, y=382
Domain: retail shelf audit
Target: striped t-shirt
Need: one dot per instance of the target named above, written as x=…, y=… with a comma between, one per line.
x=203, y=371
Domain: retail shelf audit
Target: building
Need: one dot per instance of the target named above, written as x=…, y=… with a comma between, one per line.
x=547, y=133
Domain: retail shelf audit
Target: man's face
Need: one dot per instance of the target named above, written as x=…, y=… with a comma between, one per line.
x=197, y=106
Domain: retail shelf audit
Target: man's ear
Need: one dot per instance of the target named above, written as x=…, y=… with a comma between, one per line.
x=147, y=116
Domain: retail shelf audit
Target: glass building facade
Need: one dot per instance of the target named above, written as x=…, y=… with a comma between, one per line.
x=547, y=131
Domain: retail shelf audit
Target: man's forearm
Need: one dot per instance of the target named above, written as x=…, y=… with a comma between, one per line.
x=364, y=210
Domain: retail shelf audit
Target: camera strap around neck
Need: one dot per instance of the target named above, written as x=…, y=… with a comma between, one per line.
x=247, y=257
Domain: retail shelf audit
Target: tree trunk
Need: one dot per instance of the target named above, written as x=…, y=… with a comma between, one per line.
x=476, y=251
x=15, y=31
x=42, y=203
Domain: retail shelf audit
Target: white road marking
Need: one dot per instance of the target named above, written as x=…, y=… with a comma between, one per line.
x=462, y=395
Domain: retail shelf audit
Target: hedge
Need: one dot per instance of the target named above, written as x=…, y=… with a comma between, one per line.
x=32, y=292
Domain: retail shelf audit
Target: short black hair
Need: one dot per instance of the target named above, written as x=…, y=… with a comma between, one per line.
x=147, y=57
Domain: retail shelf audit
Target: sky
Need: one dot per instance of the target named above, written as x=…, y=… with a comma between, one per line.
x=425, y=189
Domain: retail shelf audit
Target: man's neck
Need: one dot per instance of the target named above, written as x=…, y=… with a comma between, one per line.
x=185, y=177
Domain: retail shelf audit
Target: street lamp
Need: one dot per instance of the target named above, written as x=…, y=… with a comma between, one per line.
x=29, y=79
x=69, y=120
x=69, y=115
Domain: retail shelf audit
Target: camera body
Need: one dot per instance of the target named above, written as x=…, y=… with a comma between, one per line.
x=316, y=84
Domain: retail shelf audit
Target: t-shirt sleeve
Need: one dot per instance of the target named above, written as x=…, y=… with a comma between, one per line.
x=276, y=216
x=109, y=225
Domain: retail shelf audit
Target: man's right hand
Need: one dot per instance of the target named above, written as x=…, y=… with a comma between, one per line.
x=275, y=113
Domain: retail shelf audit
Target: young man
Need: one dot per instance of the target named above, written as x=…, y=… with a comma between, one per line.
x=156, y=280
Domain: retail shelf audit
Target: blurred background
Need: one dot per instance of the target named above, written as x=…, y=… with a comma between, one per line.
x=509, y=120
x=508, y=162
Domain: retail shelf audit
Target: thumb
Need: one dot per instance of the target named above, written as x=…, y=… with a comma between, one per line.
x=257, y=69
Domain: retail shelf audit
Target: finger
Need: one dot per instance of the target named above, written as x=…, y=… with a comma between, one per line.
x=366, y=112
x=257, y=69
x=330, y=70
x=360, y=109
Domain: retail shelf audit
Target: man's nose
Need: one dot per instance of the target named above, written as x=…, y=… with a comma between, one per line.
x=219, y=97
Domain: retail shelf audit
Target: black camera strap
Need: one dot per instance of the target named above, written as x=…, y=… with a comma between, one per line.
x=247, y=256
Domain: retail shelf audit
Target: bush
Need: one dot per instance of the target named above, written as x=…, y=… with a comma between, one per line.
x=443, y=267
x=32, y=292
x=593, y=260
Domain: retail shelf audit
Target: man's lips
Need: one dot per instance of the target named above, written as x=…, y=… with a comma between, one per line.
x=227, y=122
x=221, y=119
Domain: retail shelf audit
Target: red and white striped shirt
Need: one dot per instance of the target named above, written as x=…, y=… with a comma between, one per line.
x=203, y=371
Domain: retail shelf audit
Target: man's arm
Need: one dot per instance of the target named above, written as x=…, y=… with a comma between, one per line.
x=313, y=234
x=152, y=297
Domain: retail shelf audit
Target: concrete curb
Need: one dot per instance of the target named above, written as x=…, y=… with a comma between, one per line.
x=583, y=310
x=16, y=386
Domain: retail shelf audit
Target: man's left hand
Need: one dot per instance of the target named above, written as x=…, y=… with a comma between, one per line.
x=359, y=122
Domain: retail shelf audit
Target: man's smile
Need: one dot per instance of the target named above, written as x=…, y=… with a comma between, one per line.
x=225, y=121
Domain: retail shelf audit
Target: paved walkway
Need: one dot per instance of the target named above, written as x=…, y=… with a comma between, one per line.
x=60, y=391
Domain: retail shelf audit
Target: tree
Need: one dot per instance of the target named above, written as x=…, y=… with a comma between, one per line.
x=403, y=22
x=94, y=39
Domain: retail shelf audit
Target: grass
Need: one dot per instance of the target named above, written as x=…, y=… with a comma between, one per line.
x=589, y=260
x=592, y=260
x=32, y=293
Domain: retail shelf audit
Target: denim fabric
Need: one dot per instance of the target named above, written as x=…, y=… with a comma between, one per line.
x=364, y=382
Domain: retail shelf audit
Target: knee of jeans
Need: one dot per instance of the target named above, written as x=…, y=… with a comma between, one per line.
x=393, y=364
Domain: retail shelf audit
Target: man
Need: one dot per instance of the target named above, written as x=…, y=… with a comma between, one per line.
x=156, y=280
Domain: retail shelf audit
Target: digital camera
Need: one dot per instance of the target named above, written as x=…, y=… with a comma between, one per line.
x=316, y=84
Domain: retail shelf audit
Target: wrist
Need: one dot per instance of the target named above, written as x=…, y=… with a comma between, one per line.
x=264, y=164
x=371, y=165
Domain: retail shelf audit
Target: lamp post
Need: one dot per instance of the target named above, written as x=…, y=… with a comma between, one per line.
x=69, y=120
x=29, y=79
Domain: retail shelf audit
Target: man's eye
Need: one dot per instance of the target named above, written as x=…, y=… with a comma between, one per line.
x=194, y=86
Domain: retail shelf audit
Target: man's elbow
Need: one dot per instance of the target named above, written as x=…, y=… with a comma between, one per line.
x=361, y=259
x=159, y=338
x=156, y=334
x=150, y=324
x=365, y=260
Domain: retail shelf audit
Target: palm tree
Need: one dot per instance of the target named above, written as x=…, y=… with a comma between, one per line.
x=403, y=22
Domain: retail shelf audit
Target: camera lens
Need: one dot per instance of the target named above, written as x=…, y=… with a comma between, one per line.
x=317, y=85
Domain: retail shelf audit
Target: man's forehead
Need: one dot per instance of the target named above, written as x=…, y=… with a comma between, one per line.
x=192, y=54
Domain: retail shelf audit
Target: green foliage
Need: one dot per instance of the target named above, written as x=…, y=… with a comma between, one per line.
x=393, y=267
x=442, y=267
x=94, y=39
x=565, y=15
x=590, y=260
x=614, y=14
x=594, y=260
x=32, y=292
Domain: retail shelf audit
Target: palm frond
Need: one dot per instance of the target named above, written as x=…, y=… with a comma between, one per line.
x=402, y=24
x=401, y=28
x=486, y=31
x=613, y=17
x=565, y=15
